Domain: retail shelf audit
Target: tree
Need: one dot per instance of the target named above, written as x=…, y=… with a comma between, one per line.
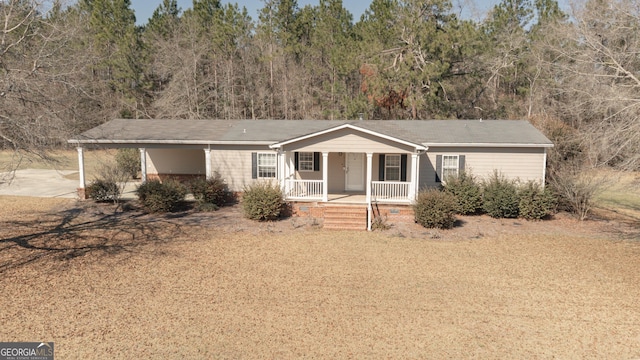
x=423, y=51
x=47, y=92
x=115, y=41
x=330, y=58
x=596, y=67
x=277, y=38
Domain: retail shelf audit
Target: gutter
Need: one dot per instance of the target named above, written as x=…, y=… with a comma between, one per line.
x=169, y=142
x=516, y=145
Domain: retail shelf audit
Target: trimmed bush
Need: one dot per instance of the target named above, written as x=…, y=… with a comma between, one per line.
x=108, y=185
x=536, y=203
x=263, y=201
x=435, y=209
x=103, y=190
x=128, y=160
x=467, y=192
x=161, y=197
x=212, y=191
x=500, y=197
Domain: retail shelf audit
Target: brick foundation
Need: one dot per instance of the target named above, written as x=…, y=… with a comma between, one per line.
x=393, y=213
x=82, y=193
x=178, y=177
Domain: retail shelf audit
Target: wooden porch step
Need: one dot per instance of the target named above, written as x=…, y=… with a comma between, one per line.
x=345, y=217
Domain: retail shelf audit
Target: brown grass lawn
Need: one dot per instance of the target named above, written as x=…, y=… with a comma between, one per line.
x=120, y=285
x=58, y=160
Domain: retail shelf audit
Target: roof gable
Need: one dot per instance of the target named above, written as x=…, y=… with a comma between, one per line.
x=353, y=127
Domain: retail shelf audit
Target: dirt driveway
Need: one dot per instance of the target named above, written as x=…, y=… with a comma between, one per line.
x=39, y=183
x=122, y=285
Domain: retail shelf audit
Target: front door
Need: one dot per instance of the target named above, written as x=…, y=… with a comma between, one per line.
x=354, y=172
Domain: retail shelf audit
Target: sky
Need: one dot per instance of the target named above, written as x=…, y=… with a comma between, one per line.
x=144, y=8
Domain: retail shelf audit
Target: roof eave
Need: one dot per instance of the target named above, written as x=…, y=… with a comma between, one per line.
x=168, y=142
x=505, y=145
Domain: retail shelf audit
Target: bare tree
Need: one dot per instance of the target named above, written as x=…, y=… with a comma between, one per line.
x=596, y=80
x=47, y=92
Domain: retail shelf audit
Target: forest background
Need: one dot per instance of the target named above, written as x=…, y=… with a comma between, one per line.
x=575, y=74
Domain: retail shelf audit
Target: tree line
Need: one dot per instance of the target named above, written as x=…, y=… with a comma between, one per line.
x=65, y=68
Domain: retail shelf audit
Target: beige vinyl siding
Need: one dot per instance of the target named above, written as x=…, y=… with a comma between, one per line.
x=336, y=172
x=175, y=161
x=234, y=164
x=348, y=140
x=524, y=164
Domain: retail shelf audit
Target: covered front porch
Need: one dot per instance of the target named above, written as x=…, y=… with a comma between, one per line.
x=349, y=165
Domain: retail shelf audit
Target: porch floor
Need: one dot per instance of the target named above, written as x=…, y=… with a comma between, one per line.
x=348, y=198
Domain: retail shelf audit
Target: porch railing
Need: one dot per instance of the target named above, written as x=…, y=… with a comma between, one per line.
x=303, y=189
x=388, y=191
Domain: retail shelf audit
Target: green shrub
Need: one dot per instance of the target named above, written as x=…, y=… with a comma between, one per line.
x=467, y=192
x=263, y=201
x=212, y=191
x=206, y=207
x=129, y=161
x=536, y=203
x=435, y=209
x=161, y=197
x=500, y=197
x=103, y=190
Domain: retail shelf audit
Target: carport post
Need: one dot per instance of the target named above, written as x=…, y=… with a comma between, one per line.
x=81, y=167
x=143, y=164
x=81, y=187
x=207, y=164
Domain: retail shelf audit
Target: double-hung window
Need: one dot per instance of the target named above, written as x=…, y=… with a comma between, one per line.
x=392, y=167
x=266, y=165
x=450, y=166
x=305, y=161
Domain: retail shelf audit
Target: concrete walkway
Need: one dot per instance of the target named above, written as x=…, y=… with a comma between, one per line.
x=47, y=183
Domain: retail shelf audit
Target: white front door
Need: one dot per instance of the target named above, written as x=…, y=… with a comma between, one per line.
x=354, y=172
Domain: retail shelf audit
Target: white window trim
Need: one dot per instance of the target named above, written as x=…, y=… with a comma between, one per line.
x=300, y=161
x=456, y=168
x=386, y=166
x=275, y=165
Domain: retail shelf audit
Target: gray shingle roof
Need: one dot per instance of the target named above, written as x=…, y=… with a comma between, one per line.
x=424, y=132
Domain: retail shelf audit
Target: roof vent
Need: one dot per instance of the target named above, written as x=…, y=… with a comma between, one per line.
x=244, y=131
x=360, y=116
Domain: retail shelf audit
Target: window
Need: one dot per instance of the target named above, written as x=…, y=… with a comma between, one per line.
x=305, y=161
x=266, y=165
x=392, y=165
x=450, y=166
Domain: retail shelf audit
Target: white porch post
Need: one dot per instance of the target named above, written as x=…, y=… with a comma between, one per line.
x=143, y=164
x=325, y=176
x=413, y=188
x=81, y=167
x=291, y=168
x=282, y=171
x=369, y=179
x=369, y=175
x=207, y=166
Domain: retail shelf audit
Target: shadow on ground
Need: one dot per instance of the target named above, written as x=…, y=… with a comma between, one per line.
x=80, y=230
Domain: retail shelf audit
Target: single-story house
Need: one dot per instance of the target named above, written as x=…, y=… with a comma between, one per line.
x=381, y=161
